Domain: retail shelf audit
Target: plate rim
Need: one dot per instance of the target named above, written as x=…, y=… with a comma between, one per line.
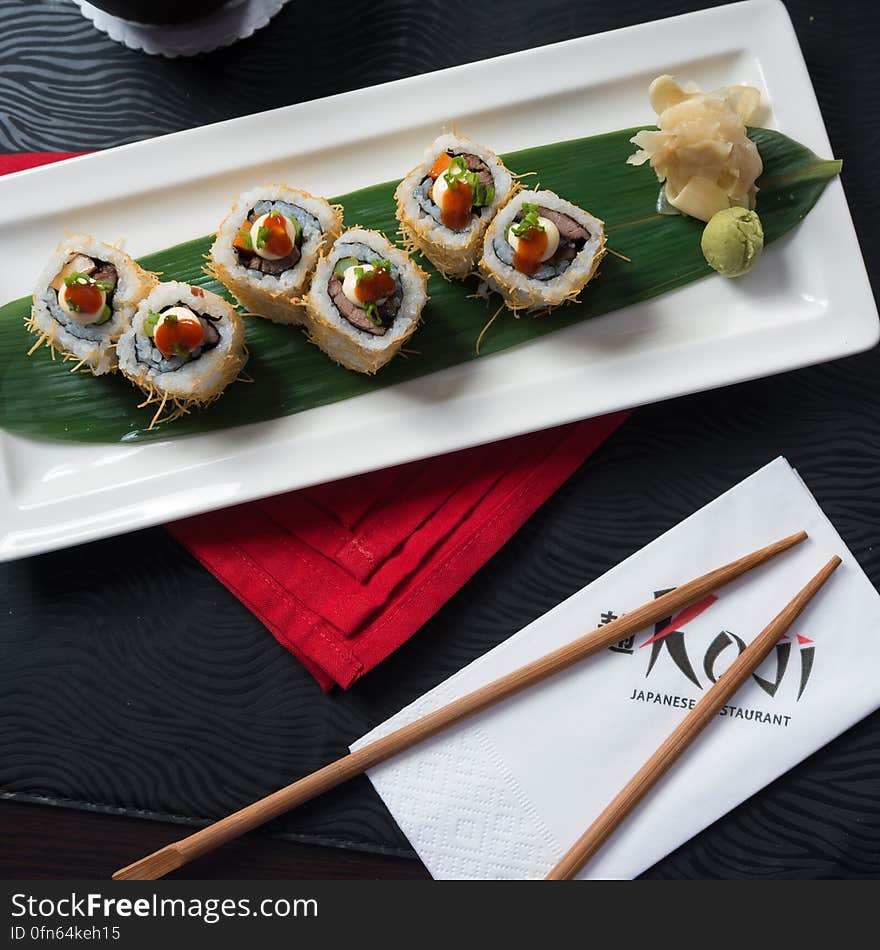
x=17, y=540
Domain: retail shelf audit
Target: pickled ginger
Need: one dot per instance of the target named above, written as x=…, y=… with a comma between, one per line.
x=701, y=150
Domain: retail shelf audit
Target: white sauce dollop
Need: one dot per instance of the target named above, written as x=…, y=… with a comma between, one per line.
x=81, y=316
x=263, y=251
x=349, y=283
x=439, y=189
x=552, y=233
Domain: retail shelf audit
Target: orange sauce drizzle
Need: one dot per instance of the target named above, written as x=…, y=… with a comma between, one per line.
x=278, y=242
x=458, y=199
x=529, y=251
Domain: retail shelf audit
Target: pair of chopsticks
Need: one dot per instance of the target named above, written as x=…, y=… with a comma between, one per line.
x=181, y=852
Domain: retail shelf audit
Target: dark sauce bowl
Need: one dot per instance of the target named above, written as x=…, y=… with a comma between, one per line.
x=157, y=12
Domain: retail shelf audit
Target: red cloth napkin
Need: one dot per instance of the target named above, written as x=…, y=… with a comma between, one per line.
x=343, y=573
x=22, y=160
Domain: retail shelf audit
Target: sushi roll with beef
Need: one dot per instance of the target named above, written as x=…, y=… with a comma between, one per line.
x=541, y=251
x=365, y=300
x=445, y=204
x=84, y=300
x=268, y=245
x=185, y=346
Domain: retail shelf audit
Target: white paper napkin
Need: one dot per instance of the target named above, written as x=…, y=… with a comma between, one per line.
x=505, y=794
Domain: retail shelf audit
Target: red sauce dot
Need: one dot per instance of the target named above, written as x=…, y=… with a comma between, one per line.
x=179, y=337
x=374, y=286
x=85, y=298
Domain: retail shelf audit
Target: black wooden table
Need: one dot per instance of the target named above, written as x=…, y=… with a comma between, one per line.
x=83, y=673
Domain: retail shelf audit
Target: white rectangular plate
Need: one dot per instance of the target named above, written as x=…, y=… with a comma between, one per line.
x=809, y=301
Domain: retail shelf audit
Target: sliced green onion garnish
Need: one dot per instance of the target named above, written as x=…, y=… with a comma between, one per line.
x=372, y=311
x=529, y=221
x=483, y=194
x=455, y=171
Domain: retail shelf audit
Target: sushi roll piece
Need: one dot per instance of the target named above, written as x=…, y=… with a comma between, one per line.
x=85, y=299
x=268, y=245
x=185, y=345
x=541, y=251
x=445, y=204
x=365, y=300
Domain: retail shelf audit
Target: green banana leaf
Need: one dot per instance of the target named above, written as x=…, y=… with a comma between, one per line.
x=40, y=397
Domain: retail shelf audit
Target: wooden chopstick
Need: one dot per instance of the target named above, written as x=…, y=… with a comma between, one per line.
x=180, y=852
x=685, y=733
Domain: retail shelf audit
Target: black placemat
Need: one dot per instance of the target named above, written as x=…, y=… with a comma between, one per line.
x=130, y=680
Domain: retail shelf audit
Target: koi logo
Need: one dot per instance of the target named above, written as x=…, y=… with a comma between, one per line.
x=806, y=651
x=669, y=636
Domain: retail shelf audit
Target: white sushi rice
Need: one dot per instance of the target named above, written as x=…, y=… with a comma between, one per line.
x=316, y=218
x=199, y=380
x=94, y=345
x=339, y=339
x=456, y=250
x=523, y=292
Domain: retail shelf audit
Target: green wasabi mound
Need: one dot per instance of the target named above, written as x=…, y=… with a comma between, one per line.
x=732, y=241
